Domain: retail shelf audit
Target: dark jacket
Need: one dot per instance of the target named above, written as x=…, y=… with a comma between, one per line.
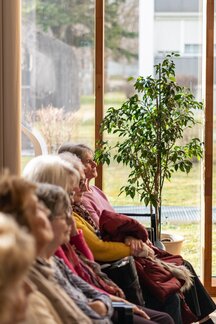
x=160, y=281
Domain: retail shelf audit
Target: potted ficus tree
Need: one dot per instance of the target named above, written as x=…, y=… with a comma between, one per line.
x=148, y=128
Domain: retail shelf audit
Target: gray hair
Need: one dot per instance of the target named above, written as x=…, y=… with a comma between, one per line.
x=73, y=159
x=77, y=149
x=51, y=169
x=55, y=198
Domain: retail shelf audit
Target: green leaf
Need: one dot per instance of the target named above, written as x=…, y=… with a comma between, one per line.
x=172, y=78
x=178, y=96
x=147, y=133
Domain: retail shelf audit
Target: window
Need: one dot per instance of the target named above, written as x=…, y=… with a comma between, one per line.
x=193, y=49
x=144, y=43
x=58, y=49
x=57, y=72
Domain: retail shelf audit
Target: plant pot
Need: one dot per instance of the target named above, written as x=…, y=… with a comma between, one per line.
x=172, y=242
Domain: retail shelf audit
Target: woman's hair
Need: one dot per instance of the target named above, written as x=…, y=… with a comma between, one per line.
x=77, y=149
x=55, y=198
x=17, y=253
x=14, y=193
x=51, y=169
x=73, y=159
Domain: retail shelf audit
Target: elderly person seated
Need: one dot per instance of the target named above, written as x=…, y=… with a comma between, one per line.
x=95, y=204
x=94, y=200
x=18, y=198
x=36, y=171
x=93, y=303
x=17, y=252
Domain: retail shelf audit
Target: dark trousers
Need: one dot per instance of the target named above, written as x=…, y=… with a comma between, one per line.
x=155, y=317
x=197, y=297
x=127, y=279
x=172, y=306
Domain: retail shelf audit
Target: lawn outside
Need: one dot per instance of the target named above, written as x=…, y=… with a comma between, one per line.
x=178, y=197
x=183, y=190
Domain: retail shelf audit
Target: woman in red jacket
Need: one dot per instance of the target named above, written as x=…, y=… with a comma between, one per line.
x=96, y=203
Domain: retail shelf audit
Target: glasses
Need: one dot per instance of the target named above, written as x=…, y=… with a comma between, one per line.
x=66, y=215
x=42, y=207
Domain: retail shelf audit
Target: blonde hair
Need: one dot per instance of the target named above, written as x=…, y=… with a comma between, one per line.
x=51, y=169
x=14, y=193
x=17, y=253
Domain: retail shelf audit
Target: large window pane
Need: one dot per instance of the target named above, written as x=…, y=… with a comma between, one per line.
x=121, y=61
x=144, y=41
x=57, y=72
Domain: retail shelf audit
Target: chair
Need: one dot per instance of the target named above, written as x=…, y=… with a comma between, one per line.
x=123, y=273
x=140, y=214
x=36, y=139
x=152, y=230
x=124, y=312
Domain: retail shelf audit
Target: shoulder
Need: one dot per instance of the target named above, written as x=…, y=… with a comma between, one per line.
x=82, y=223
x=78, y=218
x=40, y=310
x=97, y=191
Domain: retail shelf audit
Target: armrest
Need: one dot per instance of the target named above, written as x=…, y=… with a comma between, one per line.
x=124, y=312
x=151, y=234
x=152, y=229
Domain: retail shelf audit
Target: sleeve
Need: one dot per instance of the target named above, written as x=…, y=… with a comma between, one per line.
x=89, y=291
x=95, y=202
x=40, y=310
x=92, y=209
x=103, y=251
x=81, y=245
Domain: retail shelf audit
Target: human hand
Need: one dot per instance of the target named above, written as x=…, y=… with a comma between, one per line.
x=140, y=312
x=136, y=310
x=151, y=252
x=120, y=293
x=148, y=242
x=135, y=245
x=74, y=231
x=146, y=252
x=99, y=307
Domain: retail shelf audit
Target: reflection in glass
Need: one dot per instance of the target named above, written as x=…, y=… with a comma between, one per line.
x=149, y=30
x=57, y=71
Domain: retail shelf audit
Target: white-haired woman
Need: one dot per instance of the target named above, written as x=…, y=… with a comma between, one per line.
x=40, y=169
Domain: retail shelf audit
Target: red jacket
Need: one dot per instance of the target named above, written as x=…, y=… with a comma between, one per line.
x=161, y=282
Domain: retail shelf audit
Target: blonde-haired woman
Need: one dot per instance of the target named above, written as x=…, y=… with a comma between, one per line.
x=52, y=304
x=17, y=252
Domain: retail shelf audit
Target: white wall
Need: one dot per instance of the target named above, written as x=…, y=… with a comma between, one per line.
x=167, y=35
